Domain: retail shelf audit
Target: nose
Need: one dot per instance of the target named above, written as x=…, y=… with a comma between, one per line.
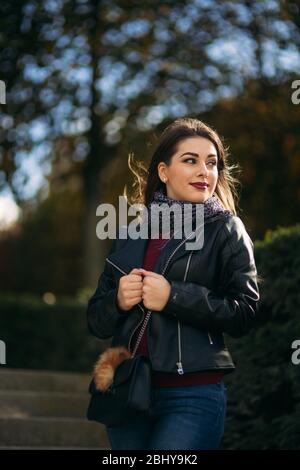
x=202, y=169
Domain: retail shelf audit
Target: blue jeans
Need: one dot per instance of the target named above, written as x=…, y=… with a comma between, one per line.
x=180, y=418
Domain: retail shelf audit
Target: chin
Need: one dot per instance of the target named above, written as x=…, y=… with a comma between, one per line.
x=198, y=198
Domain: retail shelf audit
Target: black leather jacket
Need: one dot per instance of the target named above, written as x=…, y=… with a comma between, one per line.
x=213, y=291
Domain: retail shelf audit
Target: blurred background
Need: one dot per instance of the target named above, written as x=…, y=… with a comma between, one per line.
x=86, y=83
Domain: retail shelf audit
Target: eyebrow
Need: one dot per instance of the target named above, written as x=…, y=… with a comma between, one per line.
x=196, y=154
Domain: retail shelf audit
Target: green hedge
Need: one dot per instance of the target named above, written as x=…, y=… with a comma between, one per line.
x=263, y=394
x=51, y=337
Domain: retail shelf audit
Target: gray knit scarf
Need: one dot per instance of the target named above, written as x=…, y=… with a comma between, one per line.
x=212, y=208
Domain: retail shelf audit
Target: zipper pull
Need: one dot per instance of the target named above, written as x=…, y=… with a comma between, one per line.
x=179, y=368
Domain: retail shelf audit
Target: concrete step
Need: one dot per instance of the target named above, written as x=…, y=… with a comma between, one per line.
x=47, y=410
x=48, y=381
x=52, y=432
x=22, y=404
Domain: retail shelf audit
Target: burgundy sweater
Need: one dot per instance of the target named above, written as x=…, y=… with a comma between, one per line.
x=170, y=379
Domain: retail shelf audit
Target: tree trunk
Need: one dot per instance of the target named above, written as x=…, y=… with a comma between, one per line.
x=94, y=250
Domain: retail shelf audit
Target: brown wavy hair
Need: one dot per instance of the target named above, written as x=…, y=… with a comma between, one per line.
x=147, y=180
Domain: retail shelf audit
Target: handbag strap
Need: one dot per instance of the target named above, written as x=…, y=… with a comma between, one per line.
x=142, y=330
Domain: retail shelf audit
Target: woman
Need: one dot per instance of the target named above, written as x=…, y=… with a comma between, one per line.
x=195, y=295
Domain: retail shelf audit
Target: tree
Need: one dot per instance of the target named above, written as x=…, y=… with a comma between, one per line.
x=92, y=70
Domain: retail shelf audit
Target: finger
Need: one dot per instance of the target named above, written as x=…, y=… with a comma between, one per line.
x=135, y=278
x=135, y=271
x=134, y=293
x=136, y=300
x=135, y=284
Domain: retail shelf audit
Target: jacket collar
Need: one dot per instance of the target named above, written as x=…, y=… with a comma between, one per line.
x=131, y=254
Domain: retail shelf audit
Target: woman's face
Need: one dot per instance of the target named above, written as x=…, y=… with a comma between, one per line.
x=194, y=162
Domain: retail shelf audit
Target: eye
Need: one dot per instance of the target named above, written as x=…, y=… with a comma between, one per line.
x=187, y=159
x=194, y=160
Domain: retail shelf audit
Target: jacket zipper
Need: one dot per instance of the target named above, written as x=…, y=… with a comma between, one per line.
x=123, y=272
x=148, y=313
x=179, y=363
x=146, y=319
x=180, y=369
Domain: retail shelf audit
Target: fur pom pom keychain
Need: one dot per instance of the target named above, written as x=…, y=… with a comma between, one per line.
x=106, y=365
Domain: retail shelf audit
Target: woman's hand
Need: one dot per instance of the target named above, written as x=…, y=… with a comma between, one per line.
x=130, y=290
x=155, y=291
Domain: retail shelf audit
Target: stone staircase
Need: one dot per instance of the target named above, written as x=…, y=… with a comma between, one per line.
x=46, y=410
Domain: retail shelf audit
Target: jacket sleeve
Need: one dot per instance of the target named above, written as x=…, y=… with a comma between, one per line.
x=234, y=311
x=103, y=312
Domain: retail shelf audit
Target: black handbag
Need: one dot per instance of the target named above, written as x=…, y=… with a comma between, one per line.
x=129, y=395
